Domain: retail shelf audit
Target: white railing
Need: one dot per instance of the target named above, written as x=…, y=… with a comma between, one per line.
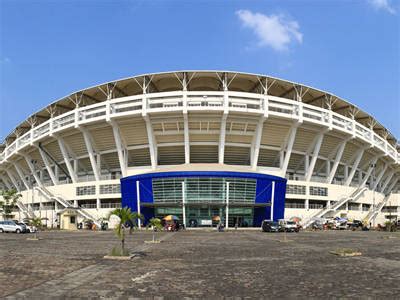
x=199, y=100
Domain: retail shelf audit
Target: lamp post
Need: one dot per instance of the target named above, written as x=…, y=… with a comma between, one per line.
x=183, y=205
x=227, y=206
x=373, y=193
x=138, y=202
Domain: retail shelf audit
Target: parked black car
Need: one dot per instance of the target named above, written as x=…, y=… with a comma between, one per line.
x=270, y=226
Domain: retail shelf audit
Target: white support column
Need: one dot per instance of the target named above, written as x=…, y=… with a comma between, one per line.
x=369, y=172
x=98, y=203
x=138, y=201
x=28, y=160
x=227, y=206
x=272, y=200
x=21, y=175
x=357, y=161
x=221, y=146
x=390, y=188
x=121, y=149
x=152, y=142
x=48, y=166
x=317, y=147
x=90, y=150
x=75, y=162
x=387, y=180
x=289, y=148
x=327, y=167
x=378, y=179
x=336, y=162
x=255, y=149
x=306, y=163
x=4, y=179
x=346, y=172
x=13, y=180
x=67, y=160
x=186, y=137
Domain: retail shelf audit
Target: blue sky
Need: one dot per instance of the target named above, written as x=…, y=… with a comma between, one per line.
x=49, y=49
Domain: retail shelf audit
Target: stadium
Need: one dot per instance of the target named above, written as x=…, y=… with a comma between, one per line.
x=205, y=146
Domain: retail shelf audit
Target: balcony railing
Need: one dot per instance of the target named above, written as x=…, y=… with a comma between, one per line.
x=199, y=100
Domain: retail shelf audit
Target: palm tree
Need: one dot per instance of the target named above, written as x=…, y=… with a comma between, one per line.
x=37, y=222
x=156, y=224
x=10, y=198
x=126, y=216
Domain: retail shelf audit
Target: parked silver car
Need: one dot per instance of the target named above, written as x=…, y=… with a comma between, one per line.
x=11, y=226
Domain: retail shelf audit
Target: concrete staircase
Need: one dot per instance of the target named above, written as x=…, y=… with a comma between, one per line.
x=29, y=213
x=333, y=208
x=48, y=195
x=375, y=211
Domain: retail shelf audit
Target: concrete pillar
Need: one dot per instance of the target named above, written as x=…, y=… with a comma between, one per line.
x=98, y=203
x=75, y=203
x=306, y=204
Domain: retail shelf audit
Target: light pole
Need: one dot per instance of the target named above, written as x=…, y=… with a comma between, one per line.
x=138, y=202
x=183, y=205
x=373, y=194
x=227, y=206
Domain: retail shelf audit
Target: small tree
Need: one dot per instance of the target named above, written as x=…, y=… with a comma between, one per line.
x=37, y=222
x=125, y=216
x=10, y=198
x=155, y=223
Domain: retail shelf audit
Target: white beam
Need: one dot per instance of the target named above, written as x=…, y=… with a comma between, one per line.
x=67, y=160
x=221, y=146
x=28, y=160
x=255, y=146
x=369, y=171
x=390, y=188
x=357, y=161
x=387, y=180
x=152, y=142
x=317, y=147
x=21, y=175
x=378, y=179
x=120, y=147
x=13, y=180
x=90, y=150
x=4, y=179
x=48, y=166
x=291, y=138
x=338, y=157
x=186, y=138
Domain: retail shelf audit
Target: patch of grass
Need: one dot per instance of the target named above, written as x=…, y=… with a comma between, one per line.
x=346, y=252
x=117, y=251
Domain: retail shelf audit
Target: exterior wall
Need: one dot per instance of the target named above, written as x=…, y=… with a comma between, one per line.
x=263, y=191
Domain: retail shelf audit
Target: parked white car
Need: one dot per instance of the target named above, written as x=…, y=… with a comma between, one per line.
x=288, y=226
x=11, y=226
x=29, y=228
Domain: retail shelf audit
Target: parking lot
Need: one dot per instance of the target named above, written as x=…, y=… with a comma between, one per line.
x=201, y=264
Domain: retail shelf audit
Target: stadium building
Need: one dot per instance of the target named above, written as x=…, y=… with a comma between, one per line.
x=206, y=146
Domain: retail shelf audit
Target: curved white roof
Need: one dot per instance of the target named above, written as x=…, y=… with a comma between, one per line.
x=202, y=80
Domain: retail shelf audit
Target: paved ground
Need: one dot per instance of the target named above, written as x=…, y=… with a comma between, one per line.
x=201, y=264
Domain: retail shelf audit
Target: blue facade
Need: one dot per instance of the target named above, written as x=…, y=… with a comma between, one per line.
x=262, y=202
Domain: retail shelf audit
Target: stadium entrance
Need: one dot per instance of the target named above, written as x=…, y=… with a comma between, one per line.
x=206, y=198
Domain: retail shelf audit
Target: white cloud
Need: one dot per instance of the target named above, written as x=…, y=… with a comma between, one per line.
x=275, y=31
x=383, y=4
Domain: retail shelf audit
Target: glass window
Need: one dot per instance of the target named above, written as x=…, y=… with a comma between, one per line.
x=86, y=190
x=203, y=189
x=295, y=189
x=318, y=191
x=110, y=189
